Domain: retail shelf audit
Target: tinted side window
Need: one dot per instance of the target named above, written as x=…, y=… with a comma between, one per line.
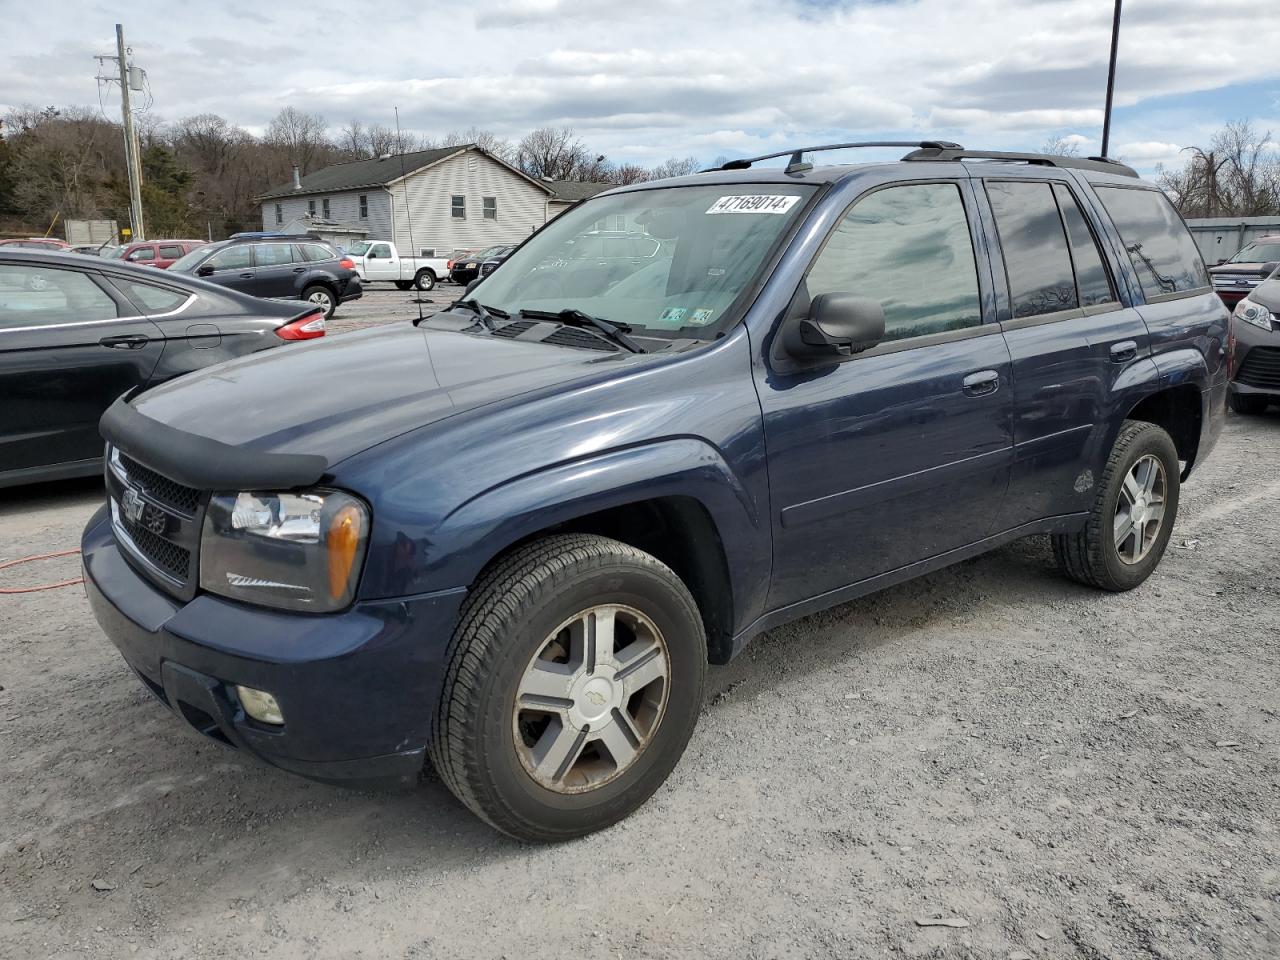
x=317, y=251
x=141, y=254
x=171, y=252
x=33, y=296
x=908, y=247
x=231, y=258
x=151, y=298
x=1160, y=247
x=273, y=254
x=1035, y=248
x=1093, y=282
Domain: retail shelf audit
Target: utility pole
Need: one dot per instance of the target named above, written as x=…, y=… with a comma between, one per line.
x=1111, y=80
x=131, y=158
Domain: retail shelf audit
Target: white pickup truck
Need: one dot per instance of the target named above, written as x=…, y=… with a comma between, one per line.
x=380, y=260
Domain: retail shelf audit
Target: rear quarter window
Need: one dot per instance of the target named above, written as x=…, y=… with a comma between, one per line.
x=1158, y=243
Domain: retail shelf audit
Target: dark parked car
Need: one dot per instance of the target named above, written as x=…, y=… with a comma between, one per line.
x=1249, y=267
x=33, y=243
x=76, y=333
x=467, y=268
x=1255, y=349
x=158, y=253
x=297, y=269
x=512, y=537
x=491, y=262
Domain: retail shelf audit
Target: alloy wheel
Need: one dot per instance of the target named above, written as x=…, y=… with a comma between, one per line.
x=1140, y=509
x=591, y=699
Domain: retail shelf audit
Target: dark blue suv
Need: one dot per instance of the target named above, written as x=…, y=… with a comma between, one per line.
x=511, y=538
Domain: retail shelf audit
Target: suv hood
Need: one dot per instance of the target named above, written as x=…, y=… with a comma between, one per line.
x=324, y=401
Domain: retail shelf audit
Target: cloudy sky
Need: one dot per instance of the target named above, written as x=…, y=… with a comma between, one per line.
x=643, y=80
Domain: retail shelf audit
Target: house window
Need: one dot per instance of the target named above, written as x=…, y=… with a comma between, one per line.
x=364, y=206
x=311, y=208
x=324, y=205
x=491, y=208
x=279, y=213
x=458, y=207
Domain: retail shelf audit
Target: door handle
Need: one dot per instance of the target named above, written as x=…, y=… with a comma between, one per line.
x=131, y=341
x=982, y=383
x=246, y=276
x=1124, y=351
x=299, y=269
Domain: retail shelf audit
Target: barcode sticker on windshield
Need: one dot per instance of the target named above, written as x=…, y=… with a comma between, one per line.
x=754, y=203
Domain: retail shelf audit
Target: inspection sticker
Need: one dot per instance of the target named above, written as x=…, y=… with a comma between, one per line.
x=754, y=203
x=673, y=316
x=701, y=317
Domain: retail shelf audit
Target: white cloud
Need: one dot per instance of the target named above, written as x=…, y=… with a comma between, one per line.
x=644, y=81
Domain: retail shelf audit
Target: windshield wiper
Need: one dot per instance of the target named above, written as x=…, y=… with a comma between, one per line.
x=617, y=332
x=483, y=313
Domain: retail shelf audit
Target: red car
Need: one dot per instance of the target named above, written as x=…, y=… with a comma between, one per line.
x=35, y=243
x=158, y=253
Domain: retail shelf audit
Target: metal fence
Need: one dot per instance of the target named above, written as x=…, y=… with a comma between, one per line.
x=1220, y=237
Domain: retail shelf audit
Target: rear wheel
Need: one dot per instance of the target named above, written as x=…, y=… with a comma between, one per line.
x=424, y=280
x=1132, y=516
x=323, y=298
x=1248, y=403
x=574, y=682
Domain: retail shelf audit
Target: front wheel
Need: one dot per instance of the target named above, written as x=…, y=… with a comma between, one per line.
x=403, y=284
x=574, y=683
x=425, y=280
x=1132, y=516
x=321, y=297
x=1249, y=404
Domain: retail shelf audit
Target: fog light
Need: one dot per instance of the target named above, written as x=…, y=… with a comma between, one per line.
x=260, y=705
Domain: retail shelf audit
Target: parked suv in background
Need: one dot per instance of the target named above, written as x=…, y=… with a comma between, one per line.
x=158, y=253
x=302, y=269
x=1249, y=267
x=513, y=536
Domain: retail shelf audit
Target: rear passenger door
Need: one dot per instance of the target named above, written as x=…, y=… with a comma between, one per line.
x=900, y=453
x=276, y=273
x=1071, y=338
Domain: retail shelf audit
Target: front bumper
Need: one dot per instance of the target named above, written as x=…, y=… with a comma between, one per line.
x=1259, y=375
x=357, y=689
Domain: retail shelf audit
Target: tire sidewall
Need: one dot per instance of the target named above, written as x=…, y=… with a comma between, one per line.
x=1156, y=442
x=425, y=280
x=333, y=302
x=675, y=615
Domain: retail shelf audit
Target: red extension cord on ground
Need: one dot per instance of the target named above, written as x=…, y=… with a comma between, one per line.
x=43, y=586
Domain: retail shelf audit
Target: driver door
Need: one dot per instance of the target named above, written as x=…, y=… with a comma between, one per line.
x=380, y=263
x=901, y=453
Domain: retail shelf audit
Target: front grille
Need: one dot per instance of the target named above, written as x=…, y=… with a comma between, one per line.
x=1261, y=368
x=574, y=337
x=169, y=557
x=169, y=492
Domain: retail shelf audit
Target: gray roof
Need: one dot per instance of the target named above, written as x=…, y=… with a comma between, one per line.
x=571, y=191
x=354, y=174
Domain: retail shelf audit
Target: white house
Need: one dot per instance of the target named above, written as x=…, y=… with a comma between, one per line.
x=455, y=198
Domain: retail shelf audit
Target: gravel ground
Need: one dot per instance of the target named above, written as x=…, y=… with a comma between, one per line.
x=1061, y=773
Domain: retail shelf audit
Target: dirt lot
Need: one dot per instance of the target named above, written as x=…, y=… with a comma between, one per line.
x=1070, y=774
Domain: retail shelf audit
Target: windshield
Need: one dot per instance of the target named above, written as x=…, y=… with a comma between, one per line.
x=1260, y=252
x=185, y=264
x=359, y=248
x=113, y=253
x=668, y=262
x=489, y=252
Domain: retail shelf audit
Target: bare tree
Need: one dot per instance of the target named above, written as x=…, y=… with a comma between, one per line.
x=556, y=153
x=302, y=137
x=1237, y=175
x=675, y=167
x=629, y=173
x=1060, y=147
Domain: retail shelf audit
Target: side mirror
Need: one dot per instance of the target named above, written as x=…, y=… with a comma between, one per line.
x=204, y=271
x=1269, y=268
x=471, y=286
x=838, y=325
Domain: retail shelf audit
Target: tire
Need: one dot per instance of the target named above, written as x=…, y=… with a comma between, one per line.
x=424, y=280
x=1092, y=556
x=404, y=284
x=322, y=297
x=485, y=744
x=1249, y=404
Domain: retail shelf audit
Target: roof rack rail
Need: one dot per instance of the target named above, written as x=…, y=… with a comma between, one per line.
x=952, y=152
x=798, y=165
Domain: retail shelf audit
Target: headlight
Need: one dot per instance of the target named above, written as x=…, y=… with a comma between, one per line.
x=1254, y=313
x=297, y=551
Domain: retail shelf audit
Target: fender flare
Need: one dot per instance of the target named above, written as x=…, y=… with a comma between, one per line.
x=488, y=524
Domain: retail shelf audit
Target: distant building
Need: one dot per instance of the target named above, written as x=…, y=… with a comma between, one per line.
x=457, y=198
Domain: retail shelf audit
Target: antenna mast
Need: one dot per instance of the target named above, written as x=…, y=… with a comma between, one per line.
x=408, y=217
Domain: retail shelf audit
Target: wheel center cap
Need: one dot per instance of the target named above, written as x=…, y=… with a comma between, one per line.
x=594, y=697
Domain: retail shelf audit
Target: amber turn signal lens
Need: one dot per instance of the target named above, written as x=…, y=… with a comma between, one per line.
x=343, y=541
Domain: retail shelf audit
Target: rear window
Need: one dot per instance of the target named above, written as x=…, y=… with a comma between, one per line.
x=273, y=254
x=150, y=298
x=34, y=295
x=1034, y=244
x=318, y=251
x=1159, y=244
x=170, y=252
